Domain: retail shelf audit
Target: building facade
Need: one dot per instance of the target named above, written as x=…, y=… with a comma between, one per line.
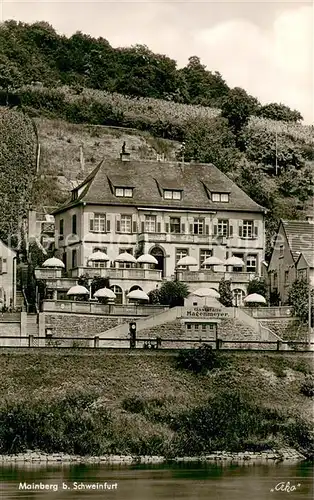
x=165, y=209
x=292, y=256
x=7, y=276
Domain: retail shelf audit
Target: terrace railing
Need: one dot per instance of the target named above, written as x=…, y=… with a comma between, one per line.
x=73, y=306
x=32, y=341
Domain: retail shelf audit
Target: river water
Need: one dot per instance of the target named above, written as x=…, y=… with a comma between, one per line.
x=159, y=482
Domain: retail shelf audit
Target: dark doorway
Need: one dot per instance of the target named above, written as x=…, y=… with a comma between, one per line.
x=159, y=255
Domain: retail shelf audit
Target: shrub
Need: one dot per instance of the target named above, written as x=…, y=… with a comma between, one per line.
x=229, y=421
x=134, y=404
x=173, y=293
x=69, y=424
x=225, y=293
x=307, y=388
x=199, y=360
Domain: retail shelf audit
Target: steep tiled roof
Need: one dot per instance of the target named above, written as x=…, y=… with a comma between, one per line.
x=146, y=176
x=300, y=235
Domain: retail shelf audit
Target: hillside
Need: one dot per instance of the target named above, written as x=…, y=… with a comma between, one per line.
x=82, y=93
x=70, y=151
x=142, y=403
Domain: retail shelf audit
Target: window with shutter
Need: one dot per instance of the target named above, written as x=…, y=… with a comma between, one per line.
x=206, y=229
x=183, y=228
x=240, y=231
x=108, y=226
x=215, y=230
x=256, y=230
x=174, y=224
x=126, y=224
x=143, y=227
x=97, y=223
x=118, y=226
x=198, y=226
x=158, y=227
x=134, y=227
x=230, y=230
x=0, y=265
x=191, y=228
x=247, y=229
x=167, y=227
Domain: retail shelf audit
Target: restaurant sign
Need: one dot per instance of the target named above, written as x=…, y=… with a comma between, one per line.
x=206, y=312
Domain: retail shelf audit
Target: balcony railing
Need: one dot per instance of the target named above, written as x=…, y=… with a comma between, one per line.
x=119, y=273
x=215, y=277
x=60, y=283
x=269, y=312
x=78, y=307
x=174, y=238
x=44, y=273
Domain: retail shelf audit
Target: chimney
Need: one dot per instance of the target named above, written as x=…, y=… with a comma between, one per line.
x=124, y=156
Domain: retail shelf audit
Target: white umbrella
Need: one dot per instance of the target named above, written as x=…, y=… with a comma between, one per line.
x=146, y=258
x=99, y=256
x=213, y=261
x=187, y=261
x=138, y=295
x=254, y=297
x=78, y=290
x=206, y=292
x=126, y=257
x=106, y=293
x=53, y=262
x=234, y=261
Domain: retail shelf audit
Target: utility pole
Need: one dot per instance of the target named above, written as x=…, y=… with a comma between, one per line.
x=310, y=288
x=276, y=168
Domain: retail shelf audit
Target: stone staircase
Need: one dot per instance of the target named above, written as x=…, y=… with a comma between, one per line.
x=167, y=325
x=122, y=331
x=20, y=300
x=32, y=325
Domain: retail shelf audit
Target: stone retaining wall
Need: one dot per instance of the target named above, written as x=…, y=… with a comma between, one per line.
x=38, y=457
x=81, y=325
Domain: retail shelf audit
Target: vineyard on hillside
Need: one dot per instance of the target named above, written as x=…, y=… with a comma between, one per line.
x=160, y=117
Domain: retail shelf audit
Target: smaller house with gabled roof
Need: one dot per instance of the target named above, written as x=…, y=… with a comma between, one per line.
x=292, y=256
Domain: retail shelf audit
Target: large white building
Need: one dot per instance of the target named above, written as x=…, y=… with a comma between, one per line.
x=166, y=209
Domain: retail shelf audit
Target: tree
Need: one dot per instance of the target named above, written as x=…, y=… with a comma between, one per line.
x=275, y=111
x=10, y=76
x=257, y=285
x=237, y=108
x=98, y=283
x=211, y=141
x=299, y=300
x=17, y=170
x=173, y=293
x=224, y=290
x=203, y=87
x=154, y=296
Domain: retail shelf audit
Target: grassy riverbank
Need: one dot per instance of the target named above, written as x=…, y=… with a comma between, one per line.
x=143, y=404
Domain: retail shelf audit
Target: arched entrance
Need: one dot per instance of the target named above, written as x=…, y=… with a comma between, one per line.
x=238, y=296
x=159, y=255
x=119, y=294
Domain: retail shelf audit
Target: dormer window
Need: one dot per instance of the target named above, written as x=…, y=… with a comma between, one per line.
x=74, y=195
x=122, y=192
x=220, y=197
x=172, y=194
